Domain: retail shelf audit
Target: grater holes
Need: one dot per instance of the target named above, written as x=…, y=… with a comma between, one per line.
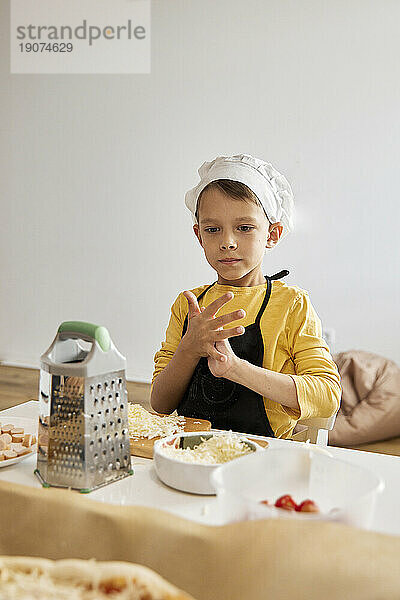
x=107, y=412
x=110, y=397
x=122, y=406
x=117, y=395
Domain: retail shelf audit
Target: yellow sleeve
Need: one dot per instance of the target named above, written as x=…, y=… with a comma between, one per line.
x=317, y=379
x=172, y=337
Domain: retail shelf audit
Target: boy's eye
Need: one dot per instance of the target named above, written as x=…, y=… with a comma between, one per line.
x=246, y=228
x=211, y=229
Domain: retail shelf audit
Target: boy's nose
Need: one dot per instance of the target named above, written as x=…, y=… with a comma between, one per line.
x=228, y=245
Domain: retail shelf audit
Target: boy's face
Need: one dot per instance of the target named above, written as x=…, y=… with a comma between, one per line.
x=234, y=234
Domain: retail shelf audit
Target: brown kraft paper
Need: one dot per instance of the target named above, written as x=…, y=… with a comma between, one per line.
x=276, y=559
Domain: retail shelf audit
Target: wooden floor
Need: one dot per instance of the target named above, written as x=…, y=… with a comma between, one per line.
x=18, y=385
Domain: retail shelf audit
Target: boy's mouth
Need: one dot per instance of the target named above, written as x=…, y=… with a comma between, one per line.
x=229, y=261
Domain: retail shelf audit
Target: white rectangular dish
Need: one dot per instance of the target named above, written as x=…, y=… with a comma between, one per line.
x=29, y=426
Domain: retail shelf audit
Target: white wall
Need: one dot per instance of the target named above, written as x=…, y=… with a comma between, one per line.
x=94, y=169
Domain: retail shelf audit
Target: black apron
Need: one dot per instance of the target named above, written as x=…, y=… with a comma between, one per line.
x=229, y=405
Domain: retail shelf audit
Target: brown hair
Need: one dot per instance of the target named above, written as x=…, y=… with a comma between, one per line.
x=234, y=189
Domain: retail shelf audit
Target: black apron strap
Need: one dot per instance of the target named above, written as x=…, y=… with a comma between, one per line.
x=268, y=292
x=278, y=275
x=265, y=301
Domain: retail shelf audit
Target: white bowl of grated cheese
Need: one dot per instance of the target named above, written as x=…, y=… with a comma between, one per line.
x=186, y=461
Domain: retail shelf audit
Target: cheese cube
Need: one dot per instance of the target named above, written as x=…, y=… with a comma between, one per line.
x=10, y=454
x=27, y=441
x=7, y=428
x=17, y=431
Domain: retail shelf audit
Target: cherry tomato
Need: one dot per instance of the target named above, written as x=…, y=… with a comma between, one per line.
x=286, y=502
x=307, y=506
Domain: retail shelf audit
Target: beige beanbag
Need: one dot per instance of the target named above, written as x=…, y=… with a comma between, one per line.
x=370, y=408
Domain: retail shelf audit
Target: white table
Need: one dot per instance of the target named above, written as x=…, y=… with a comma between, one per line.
x=145, y=489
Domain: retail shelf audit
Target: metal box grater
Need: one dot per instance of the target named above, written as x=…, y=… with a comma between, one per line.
x=83, y=437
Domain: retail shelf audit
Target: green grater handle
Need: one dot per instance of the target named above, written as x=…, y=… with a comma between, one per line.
x=97, y=333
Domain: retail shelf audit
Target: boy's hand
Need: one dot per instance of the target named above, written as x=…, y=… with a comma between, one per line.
x=205, y=329
x=219, y=368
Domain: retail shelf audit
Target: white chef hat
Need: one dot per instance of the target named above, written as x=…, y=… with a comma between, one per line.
x=271, y=188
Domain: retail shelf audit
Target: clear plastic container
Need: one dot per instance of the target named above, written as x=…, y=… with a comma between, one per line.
x=343, y=492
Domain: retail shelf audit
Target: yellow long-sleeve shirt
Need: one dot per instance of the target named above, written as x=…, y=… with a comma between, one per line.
x=293, y=344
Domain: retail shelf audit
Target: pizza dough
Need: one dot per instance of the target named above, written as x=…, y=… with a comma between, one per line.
x=23, y=578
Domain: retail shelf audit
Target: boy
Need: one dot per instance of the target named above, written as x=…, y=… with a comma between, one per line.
x=263, y=374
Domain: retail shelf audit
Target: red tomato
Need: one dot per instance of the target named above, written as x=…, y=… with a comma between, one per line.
x=307, y=506
x=286, y=502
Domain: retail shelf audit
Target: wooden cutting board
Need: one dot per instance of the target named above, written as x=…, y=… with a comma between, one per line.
x=144, y=447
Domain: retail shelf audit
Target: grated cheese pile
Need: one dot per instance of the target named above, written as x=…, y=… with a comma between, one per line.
x=214, y=450
x=145, y=425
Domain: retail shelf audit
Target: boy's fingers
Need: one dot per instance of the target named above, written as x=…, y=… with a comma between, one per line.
x=223, y=345
x=214, y=307
x=217, y=355
x=192, y=303
x=224, y=334
x=233, y=316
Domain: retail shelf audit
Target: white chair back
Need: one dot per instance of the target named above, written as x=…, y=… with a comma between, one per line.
x=316, y=430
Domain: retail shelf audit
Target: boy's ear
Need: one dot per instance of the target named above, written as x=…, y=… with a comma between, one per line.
x=274, y=234
x=197, y=233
